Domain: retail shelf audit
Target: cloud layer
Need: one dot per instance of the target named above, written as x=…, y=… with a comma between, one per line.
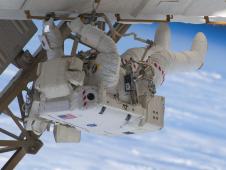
x=193, y=137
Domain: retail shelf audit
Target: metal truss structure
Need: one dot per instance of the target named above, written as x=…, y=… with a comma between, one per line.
x=27, y=142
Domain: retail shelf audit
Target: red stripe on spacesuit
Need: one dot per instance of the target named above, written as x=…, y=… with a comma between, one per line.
x=158, y=67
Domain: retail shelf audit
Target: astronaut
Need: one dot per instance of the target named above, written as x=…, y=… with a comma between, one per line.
x=147, y=66
x=66, y=85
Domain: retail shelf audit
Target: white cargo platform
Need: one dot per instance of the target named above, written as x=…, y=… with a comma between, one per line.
x=100, y=114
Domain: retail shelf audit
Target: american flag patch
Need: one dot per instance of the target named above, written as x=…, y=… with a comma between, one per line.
x=67, y=116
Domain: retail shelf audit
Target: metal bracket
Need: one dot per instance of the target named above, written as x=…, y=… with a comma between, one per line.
x=119, y=19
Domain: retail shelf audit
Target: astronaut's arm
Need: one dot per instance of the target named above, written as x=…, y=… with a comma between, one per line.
x=108, y=59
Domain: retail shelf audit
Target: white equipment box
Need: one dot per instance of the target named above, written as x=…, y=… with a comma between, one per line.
x=65, y=134
x=55, y=75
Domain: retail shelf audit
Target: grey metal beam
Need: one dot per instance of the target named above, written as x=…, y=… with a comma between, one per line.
x=7, y=149
x=15, y=159
x=21, y=105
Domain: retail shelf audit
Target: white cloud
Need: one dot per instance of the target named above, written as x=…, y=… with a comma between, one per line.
x=135, y=152
x=194, y=78
x=126, y=166
x=175, y=113
x=202, y=75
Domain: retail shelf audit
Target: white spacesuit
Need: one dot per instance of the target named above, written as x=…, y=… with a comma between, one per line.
x=104, y=95
x=156, y=61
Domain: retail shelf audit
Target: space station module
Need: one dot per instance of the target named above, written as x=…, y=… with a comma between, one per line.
x=107, y=94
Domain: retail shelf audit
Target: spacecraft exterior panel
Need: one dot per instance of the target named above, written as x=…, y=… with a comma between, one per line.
x=14, y=36
x=190, y=11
